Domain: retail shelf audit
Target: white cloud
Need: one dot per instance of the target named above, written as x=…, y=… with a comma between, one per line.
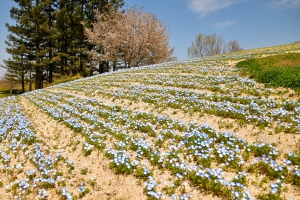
x=225, y=24
x=205, y=7
x=286, y=3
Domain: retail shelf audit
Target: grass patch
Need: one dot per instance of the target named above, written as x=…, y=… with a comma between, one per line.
x=275, y=71
x=17, y=89
x=64, y=79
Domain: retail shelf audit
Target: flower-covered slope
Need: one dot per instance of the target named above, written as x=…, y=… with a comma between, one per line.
x=183, y=130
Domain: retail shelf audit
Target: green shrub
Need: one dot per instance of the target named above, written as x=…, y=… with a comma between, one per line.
x=14, y=91
x=275, y=71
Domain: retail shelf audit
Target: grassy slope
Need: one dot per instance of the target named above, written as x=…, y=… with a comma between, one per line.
x=4, y=87
x=276, y=71
x=160, y=116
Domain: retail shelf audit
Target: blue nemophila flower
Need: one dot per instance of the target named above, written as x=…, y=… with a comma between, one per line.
x=146, y=170
x=135, y=163
x=150, y=184
x=174, y=196
x=236, y=194
x=42, y=194
x=65, y=192
x=87, y=146
x=179, y=176
x=184, y=196
x=156, y=195
x=81, y=189
x=274, y=188
x=5, y=157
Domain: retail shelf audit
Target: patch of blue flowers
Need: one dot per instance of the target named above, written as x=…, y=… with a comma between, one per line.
x=188, y=151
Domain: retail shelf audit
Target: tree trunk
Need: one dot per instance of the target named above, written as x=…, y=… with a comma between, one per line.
x=101, y=67
x=50, y=73
x=62, y=66
x=23, y=83
x=114, y=65
x=30, y=84
x=91, y=70
x=81, y=64
x=38, y=82
x=10, y=88
x=50, y=45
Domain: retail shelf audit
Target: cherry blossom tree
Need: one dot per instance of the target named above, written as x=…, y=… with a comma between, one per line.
x=133, y=38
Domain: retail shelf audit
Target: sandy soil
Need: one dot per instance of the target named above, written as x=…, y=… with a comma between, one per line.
x=285, y=142
x=106, y=184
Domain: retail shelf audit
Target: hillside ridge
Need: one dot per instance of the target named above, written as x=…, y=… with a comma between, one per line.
x=192, y=129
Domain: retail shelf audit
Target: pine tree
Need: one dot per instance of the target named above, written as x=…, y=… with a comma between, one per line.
x=11, y=78
x=73, y=42
x=51, y=37
x=38, y=38
x=17, y=66
x=30, y=26
x=16, y=46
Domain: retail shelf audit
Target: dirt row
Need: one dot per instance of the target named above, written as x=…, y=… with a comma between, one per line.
x=101, y=181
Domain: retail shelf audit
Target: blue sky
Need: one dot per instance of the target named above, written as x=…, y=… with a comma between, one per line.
x=253, y=23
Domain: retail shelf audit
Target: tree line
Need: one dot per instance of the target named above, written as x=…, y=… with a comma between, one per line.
x=66, y=37
x=48, y=38
x=210, y=45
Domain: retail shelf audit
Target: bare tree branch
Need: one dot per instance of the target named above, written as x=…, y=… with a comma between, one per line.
x=210, y=45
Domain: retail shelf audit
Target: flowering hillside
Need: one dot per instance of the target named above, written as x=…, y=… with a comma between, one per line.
x=193, y=129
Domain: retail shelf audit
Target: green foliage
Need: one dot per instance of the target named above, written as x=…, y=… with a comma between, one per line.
x=275, y=71
x=83, y=171
x=272, y=173
x=140, y=173
x=210, y=185
x=82, y=194
x=14, y=91
x=120, y=168
x=294, y=158
x=296, y=180
x=269, y=196
x=261, y=150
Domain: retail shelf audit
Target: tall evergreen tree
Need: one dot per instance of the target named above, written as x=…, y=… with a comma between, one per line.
x=39, y=24
x=51, y=37
x=30, y=23
x=11, y=77
x=16, y=46
x=73, y=42
x=17, y=66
